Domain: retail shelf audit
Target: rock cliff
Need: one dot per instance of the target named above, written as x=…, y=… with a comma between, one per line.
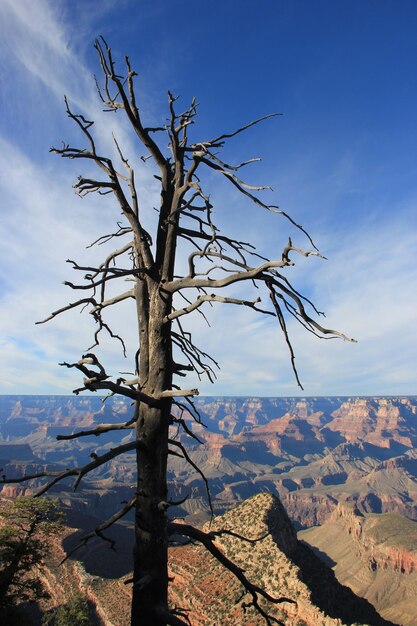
x=312, y=452
x=375, y=555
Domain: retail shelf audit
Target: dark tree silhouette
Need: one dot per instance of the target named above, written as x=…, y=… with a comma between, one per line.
x=25, y=528
x=162, y=297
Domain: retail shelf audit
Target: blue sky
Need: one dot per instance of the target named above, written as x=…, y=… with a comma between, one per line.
x=341, y=160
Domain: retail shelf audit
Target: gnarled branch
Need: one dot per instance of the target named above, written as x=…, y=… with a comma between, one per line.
x=98, y=531
x=207, y=540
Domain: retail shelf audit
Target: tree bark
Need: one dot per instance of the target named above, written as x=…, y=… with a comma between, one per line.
x=151, y=540
x=151, y=545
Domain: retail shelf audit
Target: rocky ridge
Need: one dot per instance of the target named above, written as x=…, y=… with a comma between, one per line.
x=276, y=561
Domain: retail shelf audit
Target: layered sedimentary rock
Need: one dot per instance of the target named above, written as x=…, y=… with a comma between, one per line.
x=375, y=555
x=313, y=452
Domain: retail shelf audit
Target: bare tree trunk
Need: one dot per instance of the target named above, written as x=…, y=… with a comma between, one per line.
x=150, y=551
x=151, y=541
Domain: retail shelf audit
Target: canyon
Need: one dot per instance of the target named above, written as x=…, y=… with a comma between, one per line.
x=264, y=544
x=312, y=452
x=345, y=470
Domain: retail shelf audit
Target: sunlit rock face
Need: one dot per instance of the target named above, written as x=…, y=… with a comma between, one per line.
x=375, y=555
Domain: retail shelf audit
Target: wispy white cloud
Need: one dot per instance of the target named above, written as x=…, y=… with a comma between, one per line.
x=367, y=291
x=43, y=223
x=367, y=288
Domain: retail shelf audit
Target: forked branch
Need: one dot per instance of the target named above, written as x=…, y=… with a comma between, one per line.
x=207, y=539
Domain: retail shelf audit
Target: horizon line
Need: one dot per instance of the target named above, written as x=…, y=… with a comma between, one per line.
x=101, y=397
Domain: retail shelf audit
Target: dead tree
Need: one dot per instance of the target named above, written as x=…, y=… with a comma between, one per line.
x=162, y=298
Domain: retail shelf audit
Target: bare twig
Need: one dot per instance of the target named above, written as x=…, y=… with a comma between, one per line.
x=98, y=531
